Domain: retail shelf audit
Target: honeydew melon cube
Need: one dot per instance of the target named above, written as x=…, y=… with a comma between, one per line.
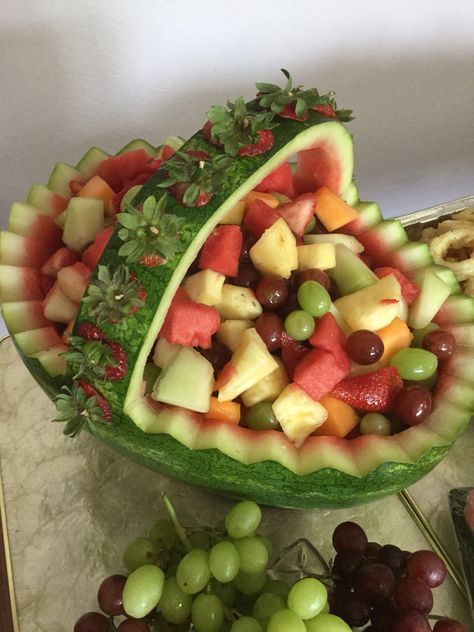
x=57, y=306
x=164, y=352
x=433, y=292
x=371, y=307
x=275, y=252
x=235, y=214
x=350, y=273
x=187, y=381
x=321, y=256
x=205, y=287
x=268, y=388
x=350, y=242
x=230, y=332
x=238, y=303
x=298, y=414
x=84, y=219
x=251, y=362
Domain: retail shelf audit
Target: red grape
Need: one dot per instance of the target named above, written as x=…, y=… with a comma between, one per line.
x=413, y=405
x=218, y=355
x=439, y=342
x=414, y=594
x=374, y=582
x=349, y=536
x=346, y=563
x=270, y=327
x=92, y=622
x=349, y=607
x=428, y=567
x=248, y=240
x=382, y=616
x=410, y=621
x=313, y=275
x=271, y=292
x=133, y=625
x=247, y=276
x=364, y=346
x=372, y=550
x=392, y=556
x=290, y=305
x=109, y=595
x=448, y=625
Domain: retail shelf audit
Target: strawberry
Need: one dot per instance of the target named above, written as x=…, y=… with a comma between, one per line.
x=291, y=353
x=325, y=109
x=151, y=261
x=289, y=112
x=207, y=133
x=263, y=144
x=90, y=332
x=371, y=392
x=179, y=189
x=117, y=372
x=101, y=402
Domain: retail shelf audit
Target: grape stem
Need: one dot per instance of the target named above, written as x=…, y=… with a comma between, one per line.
x=180, y=532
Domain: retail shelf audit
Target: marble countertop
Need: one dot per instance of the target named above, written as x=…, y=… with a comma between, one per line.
x=73, y=505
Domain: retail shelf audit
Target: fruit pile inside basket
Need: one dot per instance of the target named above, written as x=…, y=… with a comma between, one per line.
x=232, y=292
x=223, y=578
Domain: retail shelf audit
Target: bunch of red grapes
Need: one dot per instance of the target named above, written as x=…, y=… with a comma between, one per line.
x=382, y=585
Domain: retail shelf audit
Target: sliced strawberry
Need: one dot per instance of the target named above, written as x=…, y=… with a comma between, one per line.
x=60, y=259
x=264, y=143
x=325, y=109
x=102, y=403
x=298, y=212
x=280, y=180
x=289, y=112
x=117, y=372
x=292, y=352
x=410, y=290
x=259, y=216
x=371, y=392
x=151, y=261
x=179, y=189
x=207, y=133
x=90, y=332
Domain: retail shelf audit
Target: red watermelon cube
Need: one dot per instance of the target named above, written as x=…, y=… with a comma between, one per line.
x=279, y=180
x=190, y=324
x=92, y=254
x=118, y=169
x=259, y=216
x=318, y=373
x=298, y=212
x=60, y=259
x=221, y=252
x=329, y=337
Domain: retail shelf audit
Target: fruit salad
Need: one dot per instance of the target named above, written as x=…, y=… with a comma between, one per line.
x=229, y=300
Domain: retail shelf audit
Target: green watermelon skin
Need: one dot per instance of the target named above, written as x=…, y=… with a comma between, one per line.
x=267, y=481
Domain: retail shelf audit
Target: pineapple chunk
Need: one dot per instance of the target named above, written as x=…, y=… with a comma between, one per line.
x=235, y=214
x=251, y=362
x=298, y=414
x=275, y=252
x=238, y=303
x=230, y=332
x=187, y=381
x=372, y=307
x=321, y=256
x=335, y=238
x=268, y=388
x=164, y=352
x=205, y=287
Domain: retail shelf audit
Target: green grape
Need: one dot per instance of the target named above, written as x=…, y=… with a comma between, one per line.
x=175, y=605
x=286, y=621
x=375, y=423
x=224, y=561
x=243, y=519
x=207, y=613
x=200, y=540
x=307, y=597
x=227, y=593
x=310, y=225
x=252, y=553
x=267, y=543
x=261, y=417
x=313, y=298
x=278, y=587
x=150, y=375
x=163, y=532
x=250, y=583
x=299, y=325
x=139, y=552
x=414, y=364
x=143, y=590
x=326, y=623
x=419, y=334
x=193, y=572
x=266, y=606
x=246, y=624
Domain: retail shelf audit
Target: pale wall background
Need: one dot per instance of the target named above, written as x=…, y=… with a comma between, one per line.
x=74, y=74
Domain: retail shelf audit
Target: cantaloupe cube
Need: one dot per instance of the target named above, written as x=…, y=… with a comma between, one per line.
x=395, y=337
x=332, y=211
x=342, y=418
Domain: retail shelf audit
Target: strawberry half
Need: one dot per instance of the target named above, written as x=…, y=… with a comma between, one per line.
x=101, y=402
x=178, y=191
x=325, y=109
x=263, y=144
x=117, y=372
x=151, y=261
x=370, y=392
x=289, y=112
